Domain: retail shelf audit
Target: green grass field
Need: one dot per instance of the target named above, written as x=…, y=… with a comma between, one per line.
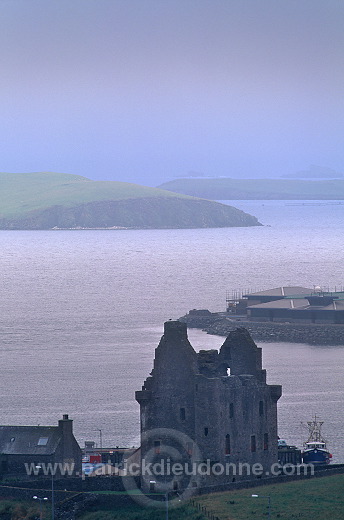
x=62, y=201
x=24, y=192
x=25, y=510
x=313, y=499
x=20, y=510
x=184, y=512
x=309, y=499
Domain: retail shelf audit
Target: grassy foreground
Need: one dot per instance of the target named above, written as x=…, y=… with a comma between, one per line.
x=136, y=513
x=22, y=510
x=15, y=510
x=313, y=499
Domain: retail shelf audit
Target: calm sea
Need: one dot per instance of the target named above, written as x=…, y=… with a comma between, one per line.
x=81, y=313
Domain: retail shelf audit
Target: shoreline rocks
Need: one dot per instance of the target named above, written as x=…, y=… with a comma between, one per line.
x=311, y=333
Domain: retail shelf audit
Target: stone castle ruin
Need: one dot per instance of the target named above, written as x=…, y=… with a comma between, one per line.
x=212, y=407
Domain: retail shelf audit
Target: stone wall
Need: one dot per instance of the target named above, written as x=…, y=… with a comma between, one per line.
x=194, y=410
x=100, y=483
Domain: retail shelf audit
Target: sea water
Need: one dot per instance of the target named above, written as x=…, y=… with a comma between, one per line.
x=81, y=313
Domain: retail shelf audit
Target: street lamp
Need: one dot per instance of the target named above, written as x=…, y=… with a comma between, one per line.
x=40, y=504
x=152, y=484
x=52, y=492
x=166, y=503
x=269, y=503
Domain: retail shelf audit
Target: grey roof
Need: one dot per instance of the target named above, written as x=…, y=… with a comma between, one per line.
x=284, y=303
x=29, y=440
x=298, y=303
x=282, y=291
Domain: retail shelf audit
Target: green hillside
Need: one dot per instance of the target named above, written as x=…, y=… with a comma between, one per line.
x=258, y=189
x=23, y=192
x=310, y=499
x=56, y=200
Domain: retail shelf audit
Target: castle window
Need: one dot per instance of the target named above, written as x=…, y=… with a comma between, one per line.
x=266, y=441
x=157, y=445
x=206, y=431
x=253, y=443
x=231, y=410
x=261, y=408
x=228, y=371
x=228, y=444
x=175, y=485
x=189, y=446
x=182, y=414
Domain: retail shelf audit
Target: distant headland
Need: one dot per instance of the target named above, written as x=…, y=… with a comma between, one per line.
x=47, y=200
x=258, y=189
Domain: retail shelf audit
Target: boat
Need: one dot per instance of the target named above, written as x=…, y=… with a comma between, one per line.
x=314, y=449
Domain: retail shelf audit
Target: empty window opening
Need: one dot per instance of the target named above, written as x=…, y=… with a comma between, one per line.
x=182, y=414
x=231, y=410
x=261, y=408
x=253, y=443
x=157, y=445
x=206, y=431
x=266, y=441
x=228, y=444
x=228, y=371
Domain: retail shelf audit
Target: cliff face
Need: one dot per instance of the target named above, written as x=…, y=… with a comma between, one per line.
x=143, y=213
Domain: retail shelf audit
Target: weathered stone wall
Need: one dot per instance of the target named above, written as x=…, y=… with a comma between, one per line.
x=230, y=418
x=74, y=484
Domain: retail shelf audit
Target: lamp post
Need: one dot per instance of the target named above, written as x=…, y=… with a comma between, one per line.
x=52, y=492
x=152, y=484
x=166, y=503
x=35, y=497
x=269, y=503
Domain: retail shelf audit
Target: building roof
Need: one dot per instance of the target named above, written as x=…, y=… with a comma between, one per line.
x=300, y=304
x=282, y=291
x=284, y=303
x=29, y=440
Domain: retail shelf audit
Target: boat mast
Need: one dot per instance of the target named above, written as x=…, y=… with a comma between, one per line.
x=314, y=428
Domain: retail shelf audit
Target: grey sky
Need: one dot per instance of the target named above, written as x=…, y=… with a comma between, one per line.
x=145, y=90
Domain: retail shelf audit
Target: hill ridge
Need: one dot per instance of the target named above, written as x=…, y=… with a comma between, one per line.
x=46, y=200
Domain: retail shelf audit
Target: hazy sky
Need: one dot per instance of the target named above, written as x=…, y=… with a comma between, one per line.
x=146, y=90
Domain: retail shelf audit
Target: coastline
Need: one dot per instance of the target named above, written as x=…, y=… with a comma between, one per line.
x=267, y=331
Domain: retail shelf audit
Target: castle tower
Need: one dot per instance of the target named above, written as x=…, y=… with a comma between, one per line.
x=211, y=407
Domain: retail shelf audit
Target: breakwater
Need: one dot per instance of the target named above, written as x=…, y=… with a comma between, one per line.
x=310, y=333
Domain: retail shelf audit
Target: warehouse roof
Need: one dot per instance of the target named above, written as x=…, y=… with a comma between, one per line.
x=282, y=291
